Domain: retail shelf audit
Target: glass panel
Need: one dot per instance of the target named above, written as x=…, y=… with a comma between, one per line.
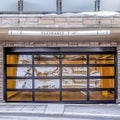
x=101, y=71
x=74, y=83
x=19, y=96
x=47, y=84
x=19, y=84
x=47, y=96
x=95, y=83
x=19, y=71
x=12, y=59
x=46, y=71
x=102, y=95
x=102, y=59
x=74, y=95
x=39, y=5
x=7, y=6
x=74, y=59
x=107, y=83
x=110, y=5
x=46, y=59
x=74, y=71
x=78, y=5
x=25, y=59
x=101, y=83
x=19, y=59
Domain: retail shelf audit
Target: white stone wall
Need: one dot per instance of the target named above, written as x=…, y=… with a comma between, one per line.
x=56, y=21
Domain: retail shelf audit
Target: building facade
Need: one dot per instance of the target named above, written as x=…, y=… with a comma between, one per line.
x=68, y=58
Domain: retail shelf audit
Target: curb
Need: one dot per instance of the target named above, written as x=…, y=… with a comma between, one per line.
x=67, y=114
x=90, y=114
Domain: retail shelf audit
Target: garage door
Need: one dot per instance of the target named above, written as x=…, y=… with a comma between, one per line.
x=70, y=75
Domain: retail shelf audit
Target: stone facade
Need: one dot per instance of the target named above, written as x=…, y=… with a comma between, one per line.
x=57, y=21
x=1, y=72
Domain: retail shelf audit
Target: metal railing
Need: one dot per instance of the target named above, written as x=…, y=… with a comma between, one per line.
x=20, y=6
x=97, y=5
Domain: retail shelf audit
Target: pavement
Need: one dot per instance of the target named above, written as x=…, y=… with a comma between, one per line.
x=107, y=110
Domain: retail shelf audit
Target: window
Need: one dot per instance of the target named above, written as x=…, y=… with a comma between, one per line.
x=110, y=5
x=40, y=6
x=8, y=6
x=57, y=6
x=78, y=5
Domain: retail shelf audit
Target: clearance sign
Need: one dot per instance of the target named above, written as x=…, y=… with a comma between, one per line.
x=58, y=33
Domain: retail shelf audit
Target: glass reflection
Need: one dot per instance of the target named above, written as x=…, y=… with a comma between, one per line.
x=102, y=95
x=101, y=59
x=46, y=71
x=39, y=5
x=101, y=71
x=74, y=71
x=74, y=59
x=24, y=71
x=25, y=59
x=95, y=83
x=101, y=83
x=74, y=83
x=107, y=83
x=77, y=5
x=19, y=59
x=46, y=59
x=9, y=6
x=47, y=96
x=19, y=71
x=74, y=95
x=19, y=96
x=12, y=59
x=110, y=5
x=19, y=84
x=47, y=84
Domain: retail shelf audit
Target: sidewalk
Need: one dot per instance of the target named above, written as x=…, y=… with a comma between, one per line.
x=106, y=110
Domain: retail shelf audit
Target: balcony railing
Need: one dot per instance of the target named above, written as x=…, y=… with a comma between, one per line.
x=57, y=6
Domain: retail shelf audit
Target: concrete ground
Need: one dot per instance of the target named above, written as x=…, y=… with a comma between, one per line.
x=92, y=110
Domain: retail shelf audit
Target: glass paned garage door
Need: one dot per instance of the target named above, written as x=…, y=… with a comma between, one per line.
x=55, y=76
